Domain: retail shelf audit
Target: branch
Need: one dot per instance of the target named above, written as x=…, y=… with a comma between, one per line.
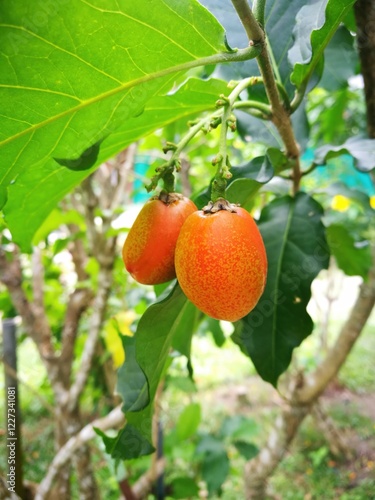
x=77, y=251
x=34, y=323
x=144, y=484
x=79, y=301
x=95, y=324
x=124, y=165
x=113, y=420
x=281, y=118
x=5, y=493
x=29, y=387
x=38, y=279
x=254, y=32
x=316, y=383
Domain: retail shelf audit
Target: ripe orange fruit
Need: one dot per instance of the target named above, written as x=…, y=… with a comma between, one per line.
x=148, y=251
x=221, y=262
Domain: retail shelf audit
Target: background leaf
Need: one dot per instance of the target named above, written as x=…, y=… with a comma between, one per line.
x=248, y=179
x=279, y=17
x=215, y=462
x=296, y=251
x=340, y=60
x=62, y=90
x=184, y=487
x=362, y=150
x=188, y=421
x=353, y=260
x=315, y=25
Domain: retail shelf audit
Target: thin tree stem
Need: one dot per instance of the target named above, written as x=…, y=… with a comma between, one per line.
x=280, y=116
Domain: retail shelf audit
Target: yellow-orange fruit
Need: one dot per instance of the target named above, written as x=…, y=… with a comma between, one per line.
x=221, y=263
x=149, y=248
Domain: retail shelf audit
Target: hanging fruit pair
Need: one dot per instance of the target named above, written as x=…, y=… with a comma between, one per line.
x=217, y=253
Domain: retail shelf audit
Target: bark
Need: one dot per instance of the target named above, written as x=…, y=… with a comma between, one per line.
x=96, y=321
x=304, y=393
x=338, y=445
x=365, y=17
x=5, y=494
x=113, y=420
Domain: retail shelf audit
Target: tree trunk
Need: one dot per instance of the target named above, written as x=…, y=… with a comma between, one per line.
x=365, y=17
x=69, y=423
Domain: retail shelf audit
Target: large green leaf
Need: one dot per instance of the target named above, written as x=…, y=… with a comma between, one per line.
x=354, y=260
x=29, y=191
x=73, y=76
x=296, y=251
x=315, y=25
x=362, y=150
x=153, y=338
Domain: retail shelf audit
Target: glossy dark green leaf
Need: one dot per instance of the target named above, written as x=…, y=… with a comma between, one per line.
x=62, y=89
x=188, y=421
x=315, y=25
x=362, y=150
x=353, y=259
x=297, y=250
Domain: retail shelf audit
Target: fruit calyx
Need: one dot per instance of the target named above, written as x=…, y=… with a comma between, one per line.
x=168, y=198
x=219, y=204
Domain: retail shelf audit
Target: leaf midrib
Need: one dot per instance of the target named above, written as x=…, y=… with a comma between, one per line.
x=277, y=282
x=215, y=58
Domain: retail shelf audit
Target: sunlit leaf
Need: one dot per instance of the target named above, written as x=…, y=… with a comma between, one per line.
x=74, y=78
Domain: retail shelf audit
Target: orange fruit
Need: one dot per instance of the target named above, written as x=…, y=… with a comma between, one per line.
x=149, y=248
x=221, y=262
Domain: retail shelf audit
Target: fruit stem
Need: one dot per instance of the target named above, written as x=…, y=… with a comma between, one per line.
x=219, y=183
x=168, y=181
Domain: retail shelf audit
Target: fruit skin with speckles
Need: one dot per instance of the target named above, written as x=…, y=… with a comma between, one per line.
x=221, y=262
x=149, y=248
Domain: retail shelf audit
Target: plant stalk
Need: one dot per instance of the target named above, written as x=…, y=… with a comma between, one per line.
x=280, y=116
